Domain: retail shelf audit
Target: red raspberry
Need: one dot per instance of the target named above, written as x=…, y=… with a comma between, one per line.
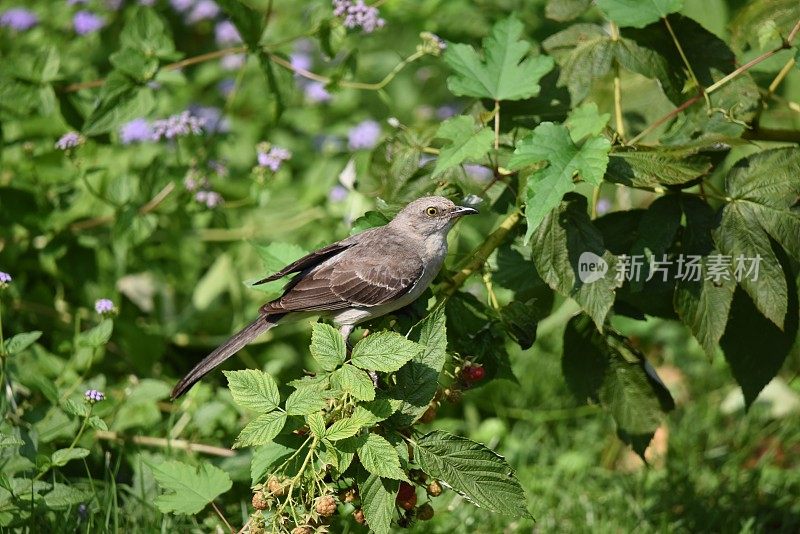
x=474, y=373
x=425, y=512
x=407, y=496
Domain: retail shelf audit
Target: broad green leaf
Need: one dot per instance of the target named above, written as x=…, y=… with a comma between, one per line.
x=755, y=359
x=305, y=401
x=551, y=143
x=275, y=256
x=379, y=457
x=558, y=244
x=417, y=381
x=753, y=17
x=638, y=13
x=605, y=368
x=261, y=430
x=327, y=346
x=354, y=381
x=10, y=441
x=112, y=112
x=505, y=73
x=343, y=428
x=146, y=31
x=20, y=342
x=72, y=407
x=63, y=496
x=377, y=500
x=134, y=63
x=467, y=141
x=372, y=412
x=652, y=167
x=248, y=21
x=521, y=320
x=253, y=389
x=269, y=456
x=316, y=423
x=565, y=10
x=189, y=489
x=586, y=121
x=97, y=336
x=384, y=351
x=655, y=234
x=97, y=423
x=63, y=456
x=476, y=472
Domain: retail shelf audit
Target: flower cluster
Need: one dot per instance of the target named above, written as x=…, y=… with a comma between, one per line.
x=226, y=33
x=85, y=22
x=301, y=60
x=104, y=307
x=431, y=44
x=364, y=135
x=135, y=131
x=201, y=187
x=69, y=140
x=93, y=396
x=196, y=10
x=211, y=199
x=5, y=279
x=358, y=15
x=179, y=125
x=272, y=157
x=19, y=19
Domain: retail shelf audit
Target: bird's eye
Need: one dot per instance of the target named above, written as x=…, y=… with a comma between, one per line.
x=432, y=212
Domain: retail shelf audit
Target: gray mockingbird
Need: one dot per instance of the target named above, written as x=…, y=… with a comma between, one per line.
x=364, y=276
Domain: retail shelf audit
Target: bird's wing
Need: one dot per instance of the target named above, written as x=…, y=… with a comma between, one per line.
x=372, y=273
x=310, y=260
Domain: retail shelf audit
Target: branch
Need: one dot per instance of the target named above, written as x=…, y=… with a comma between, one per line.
x=767, y=134
x=181, y=444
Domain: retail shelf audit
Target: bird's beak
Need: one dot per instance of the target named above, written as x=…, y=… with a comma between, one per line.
x=460, y=211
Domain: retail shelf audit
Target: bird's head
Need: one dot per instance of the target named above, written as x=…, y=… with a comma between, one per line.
x=431, y=215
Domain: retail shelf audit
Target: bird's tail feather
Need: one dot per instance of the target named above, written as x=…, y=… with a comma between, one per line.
x=222, y=353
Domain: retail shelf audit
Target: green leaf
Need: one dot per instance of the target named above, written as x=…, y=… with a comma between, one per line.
x=64, y=496
x=379, y=457
x=97, y=423
x=756, y=359
x=505, y=73
x=384, y=351
x=327, y=346
x=566, y=10
x=605, y=368
x=275, y=256
x=267, y=457
x=586, y=121
x=134, y=63
x=417, y=381
x=316, y=423
x=253, y=389
x=753, y=17
x=123, y=106
x=261, y=430
x=72, y=407
x=98, y=335
x=147, y=32
x=638, y=13
x=305, y=401
x=476, y=472
x=63, y=456
x=190, y=489
x=665, y=165
x=551, y=143
x=377, y=500
x=764, y=187
x=10, y=441
x=466, y=142
x=343, y=428
x=354, y=381
x=248, y=21
x=22, y=341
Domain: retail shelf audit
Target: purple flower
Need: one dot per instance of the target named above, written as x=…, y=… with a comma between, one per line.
x=446, y=111
x=603, y=206
x=273, y=158
x=5, y=279
x=202, y=10
x=218, y=167
x=478, y=172
x=226, y=33
x=338, y=193
x=315, y=92
x=19, y=19
x=178, y=125
x=358, y=15
x=86, y=22
x=93, y=396
x=213, y=121
x=364, y=135
x=211, y=199
x=181, y=5
x=69, y=140
x=233, y=61
x=135, y=130
x=301, y=61
x=103, y=306
x=226, y=86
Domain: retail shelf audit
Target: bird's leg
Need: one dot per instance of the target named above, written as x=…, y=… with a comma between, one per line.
x=346, y=330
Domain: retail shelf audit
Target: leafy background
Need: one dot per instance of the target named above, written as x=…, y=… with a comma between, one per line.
x=578, y=126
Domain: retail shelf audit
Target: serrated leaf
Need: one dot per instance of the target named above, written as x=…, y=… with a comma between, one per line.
x=72, y=407
x=558, y=243
x=417, y=381
x=261, y=430
x=751, y=18
x=377, y=500
x=638, y=13
x=473, y=470
x=147, y=32
x=354, y=381
x=551, y=143
x=253, y=389
x=97, y=423
x=64, y=456
x=316, y=423
x=655, y=166
x=305, y=401
x=467, y=141
x=22, y=341
x=504, y=73
x=271, y=455
x=134, y=63
x=586, y=121
x=190, y=489
x=97, y=336
x=384, y=351
x=327, y=346
x=343, y=428
x=63, y=496
x=379, y=457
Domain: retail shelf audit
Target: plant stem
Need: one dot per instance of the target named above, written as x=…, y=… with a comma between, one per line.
x=686, y=62
x=496, y=124
x=675, y=112
x=219, y=513
x=617, y=90
x=181, y=444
